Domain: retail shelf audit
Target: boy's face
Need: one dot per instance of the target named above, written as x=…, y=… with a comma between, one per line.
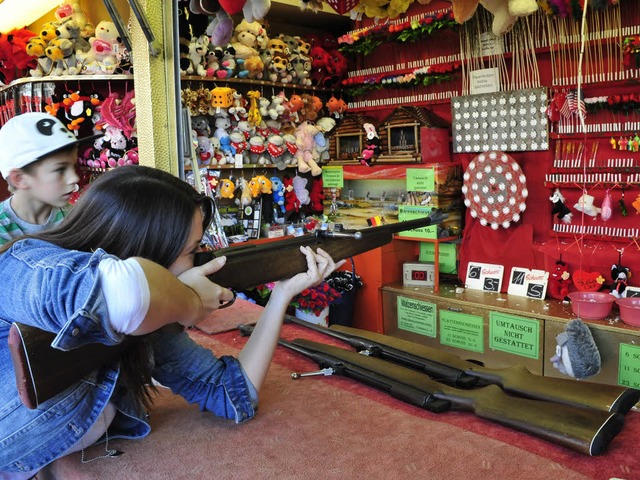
x=54, y=179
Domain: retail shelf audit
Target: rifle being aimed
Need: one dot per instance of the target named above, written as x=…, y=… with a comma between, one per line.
x=584, y=430
x=33, y=356
x=453, y=370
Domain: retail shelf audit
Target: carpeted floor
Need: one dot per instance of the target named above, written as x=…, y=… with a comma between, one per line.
x=333, y=428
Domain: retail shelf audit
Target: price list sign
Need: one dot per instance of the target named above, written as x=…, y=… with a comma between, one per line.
x=629, y=366
x=417, y=316
x=462, y=330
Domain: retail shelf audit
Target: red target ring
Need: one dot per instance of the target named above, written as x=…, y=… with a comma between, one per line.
x=495, y=189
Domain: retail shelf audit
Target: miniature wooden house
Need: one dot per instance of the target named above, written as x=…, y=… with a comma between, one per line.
x=414, y=134
x=348, y=138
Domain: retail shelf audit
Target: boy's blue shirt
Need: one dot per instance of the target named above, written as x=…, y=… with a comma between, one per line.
x=59, y=291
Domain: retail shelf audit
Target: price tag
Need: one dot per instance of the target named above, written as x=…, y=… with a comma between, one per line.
x=632, y=292
x=629, y=366
x=238, y=160
x=484, y=276
x=528, y=283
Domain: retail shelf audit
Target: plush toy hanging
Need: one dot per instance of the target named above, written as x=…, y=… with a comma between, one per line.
x=620, y=277
x=623, y=207
x=495, y=189
x=585, y=205
x=577, y=354
x=559, y=208
x=606, y=209
x=559, y=282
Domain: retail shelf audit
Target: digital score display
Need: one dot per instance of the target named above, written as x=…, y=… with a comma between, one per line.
x=416, y=274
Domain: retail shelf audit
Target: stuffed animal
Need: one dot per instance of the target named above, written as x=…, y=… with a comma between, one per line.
x=559, y=282
x=291, y=202
x=291, y=148
x=325, y=125
x=204, y=151
x=227, y=58
x=276, y=150
x=293, y=107
x=247, y=36
x=36, y=48
x=193, y=56
x=259, y=185
x=559, y=208
x=300, y=188
x=60, y=52
x=577, y=354
x=226, y=188
x=70, y=29
x=620, y=277
x=102, y=58
x=505, y=12
x=15, y=62
x=277, y=189
x=307, y=155
x=257, y=150
x=320, y=60
x=585, y=205
x=316, y=195
x=71, y=9
x=240, y=145
x=220, y=29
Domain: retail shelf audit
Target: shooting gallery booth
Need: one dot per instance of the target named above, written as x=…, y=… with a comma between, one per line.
x=478, y=165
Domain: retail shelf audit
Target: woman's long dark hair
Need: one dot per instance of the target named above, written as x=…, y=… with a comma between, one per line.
x=133, y=211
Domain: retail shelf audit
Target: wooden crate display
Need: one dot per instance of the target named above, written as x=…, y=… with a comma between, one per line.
x=403, y=132
x=347, y=141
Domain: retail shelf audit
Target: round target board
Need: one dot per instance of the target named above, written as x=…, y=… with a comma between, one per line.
x=495, y=189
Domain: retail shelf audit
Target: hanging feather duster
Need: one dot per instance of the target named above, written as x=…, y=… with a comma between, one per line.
x=576, y=9
x=607, y=209
x=559, y=8
x=623, y=207
x=599, y=4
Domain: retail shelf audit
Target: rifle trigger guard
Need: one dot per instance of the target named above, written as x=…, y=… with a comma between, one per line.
x=230, y=302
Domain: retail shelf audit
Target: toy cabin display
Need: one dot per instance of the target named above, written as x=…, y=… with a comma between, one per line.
x=348, y=139
x=414, y=134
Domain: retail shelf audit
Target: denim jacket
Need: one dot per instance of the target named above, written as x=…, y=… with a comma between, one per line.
x=59, y=291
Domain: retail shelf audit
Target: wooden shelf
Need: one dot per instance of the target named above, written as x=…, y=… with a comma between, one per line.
x=252, y=82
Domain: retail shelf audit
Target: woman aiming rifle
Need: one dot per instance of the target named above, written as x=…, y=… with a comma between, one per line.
x=121, y=266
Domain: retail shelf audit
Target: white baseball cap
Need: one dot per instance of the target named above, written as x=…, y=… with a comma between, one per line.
x=29, y=137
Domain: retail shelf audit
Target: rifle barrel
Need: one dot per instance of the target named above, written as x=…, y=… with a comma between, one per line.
x=584, y=430
x=516, y=379
x=270, y=262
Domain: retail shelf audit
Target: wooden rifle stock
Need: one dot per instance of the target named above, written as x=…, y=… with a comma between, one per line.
x=43, y=371
x=251, y=266
x=451, y=369
x=584, y=430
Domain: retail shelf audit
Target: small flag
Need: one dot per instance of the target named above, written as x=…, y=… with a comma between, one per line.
x=375, y=221
x=581, y=107
x=570, y=104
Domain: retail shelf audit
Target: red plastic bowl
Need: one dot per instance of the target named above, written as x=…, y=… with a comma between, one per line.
x=591, y=305
x=630, y=310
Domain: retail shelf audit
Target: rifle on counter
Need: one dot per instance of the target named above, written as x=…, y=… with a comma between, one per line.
x=453, y=370
x=584, y=430
x=42, y=371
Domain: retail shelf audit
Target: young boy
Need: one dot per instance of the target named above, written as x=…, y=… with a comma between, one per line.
x=37, y=159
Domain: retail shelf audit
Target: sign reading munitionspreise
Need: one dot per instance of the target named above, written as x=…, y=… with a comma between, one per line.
x=517, y=335
x=417, y=316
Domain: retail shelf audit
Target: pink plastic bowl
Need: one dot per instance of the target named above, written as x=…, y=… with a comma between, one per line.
x=591, y=305
x=630, y=310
